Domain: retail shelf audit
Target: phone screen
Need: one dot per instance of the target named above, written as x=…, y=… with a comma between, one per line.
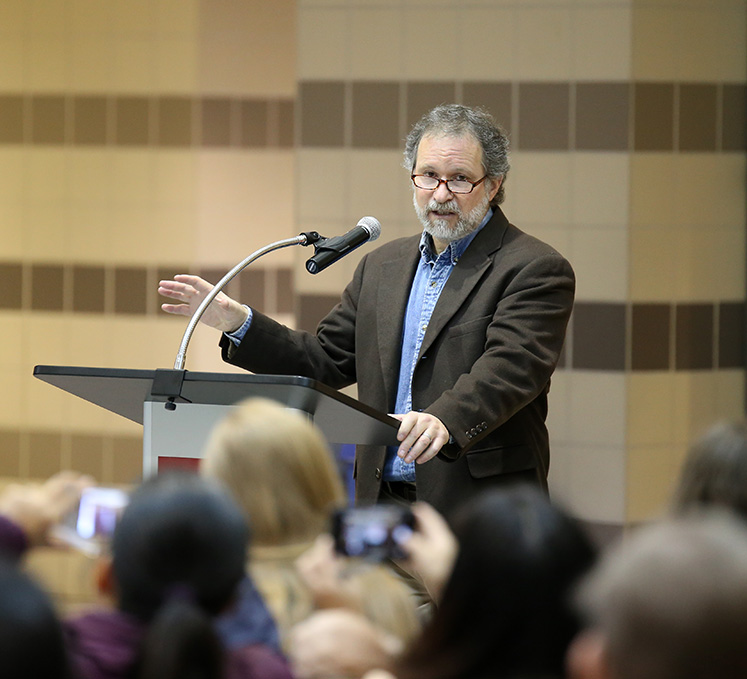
x=375, y=533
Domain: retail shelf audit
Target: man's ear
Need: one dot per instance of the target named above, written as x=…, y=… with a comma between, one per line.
x=587, y=657
x=105, y=583
x=496, y=184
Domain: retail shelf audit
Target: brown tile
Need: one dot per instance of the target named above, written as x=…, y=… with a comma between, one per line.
x=286, y=124
x=375, y=115
x=653, y=124
x=131, y=291
x=694, y=337
x=48, y=119
x=47, y=286
x=90, y=118
x=174, y=121
x=216, y=121
x=734, y=118
x=602, y=116
x=11, y=119
x=132, y=115
x=650, y=324
x=697, y=121
x=598, y=336
x=494, y=97
x=312, y=308
x=731, y=335
x=322, y=114
x=544, y=110
x=213, y=275
x=423, y=96
x=253, y=124
x=127, y=460
x=10, y=453
x=252, y=288
x=11, y=282
x=45, y=454
x=87, y=455
x=89, y=289
x=285, y=291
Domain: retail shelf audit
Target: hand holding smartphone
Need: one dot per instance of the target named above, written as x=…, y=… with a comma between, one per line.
x=373, y=533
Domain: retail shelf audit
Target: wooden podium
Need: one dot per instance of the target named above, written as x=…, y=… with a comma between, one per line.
x=179, y=408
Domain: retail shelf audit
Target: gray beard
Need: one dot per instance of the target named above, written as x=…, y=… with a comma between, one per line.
x=440, y=229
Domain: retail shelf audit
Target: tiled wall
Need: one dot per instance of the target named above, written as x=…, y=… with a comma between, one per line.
x=145, y=138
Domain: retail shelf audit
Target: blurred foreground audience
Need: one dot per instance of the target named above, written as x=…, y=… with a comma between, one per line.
x=670, y=602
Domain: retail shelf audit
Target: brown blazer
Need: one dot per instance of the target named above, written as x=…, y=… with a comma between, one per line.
x=484, y=368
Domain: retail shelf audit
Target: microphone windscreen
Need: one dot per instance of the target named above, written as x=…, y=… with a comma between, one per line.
x=372, y=225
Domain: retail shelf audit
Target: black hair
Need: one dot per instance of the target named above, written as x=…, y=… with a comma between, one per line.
x=179, y=553
x=506, y=609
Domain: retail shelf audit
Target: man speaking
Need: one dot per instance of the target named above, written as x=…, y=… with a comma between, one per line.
x=456, y=331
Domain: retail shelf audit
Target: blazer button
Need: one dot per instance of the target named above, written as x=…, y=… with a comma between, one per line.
x=377, y=474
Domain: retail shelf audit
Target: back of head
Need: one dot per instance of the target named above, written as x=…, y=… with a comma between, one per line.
x=279, y=469
x=715, y=471
x=505, y=610
x=179, y=553
x=671, y=601
x=456, y=120
x=31, y=638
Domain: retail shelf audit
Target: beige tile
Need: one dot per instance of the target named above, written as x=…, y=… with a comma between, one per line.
x=129, y=227
x=543, y=43
x=178, y=16
x=175, y=178
x=601, y=42
x=322, y=184
x=47, y=18
x=596, y=489
x=730, y=395
x=12, y=340
x=600, y=259
x=419, y=27
x=90, y=234
x=654, y=263
x=91, y=59
x=654, y=42
x=88, y=177
x=700, y=179
x=541, y=184
x=13, y=395
x=731, y=46
x=650, y=408
x=652, y=189
x=46, y=233
x=377, y=184
x=652, y=474
x=13, y=175
x=322, y=43
x=132, y=178
x=12, y=56
x=598, y=408
x=694, y=404
x=488, y=49
x=371, y=28
x=600, y=189
x=176, y=65
x=46, y=63
x=132, y=65
x=137, y=16
x=12, y=220
x=174, y=235
x=90, y=17
x=14, y=15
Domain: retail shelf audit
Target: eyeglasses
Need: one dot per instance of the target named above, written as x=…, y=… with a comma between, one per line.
x=430, y=183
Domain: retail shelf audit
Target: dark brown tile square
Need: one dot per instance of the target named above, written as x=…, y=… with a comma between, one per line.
x=285, y=291
x=10, y=454
x=697, y=122
x=132, y=115
x=87, y=454
x=734, y=118
x=286, y=124
x=544, y=115
x=216, y=121
x=376, y=115
x=252, y=288
x=423, y=96
x=322, y=114
x=650, y=334
x=89, y=289
x=598, y=336
x=90, y=118
x=11, y=119
x=731, y=335
x=131, y=291
x=175, y=121
x=45, y=454
x=694, y=337
x=11, y=280
x=312, y=309
x=127, y=460
x=47, y=287
x=602, y=116
x=493, y=97
x=48, y=119
x=253, y=124
x=653, y=125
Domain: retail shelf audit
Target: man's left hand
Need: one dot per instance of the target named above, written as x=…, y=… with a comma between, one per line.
x=422, y=435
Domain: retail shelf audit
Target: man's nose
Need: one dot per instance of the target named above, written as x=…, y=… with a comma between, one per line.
x=442, y=193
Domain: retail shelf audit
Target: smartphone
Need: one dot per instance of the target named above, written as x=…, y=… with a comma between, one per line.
x=92, y=524
x=374, y=533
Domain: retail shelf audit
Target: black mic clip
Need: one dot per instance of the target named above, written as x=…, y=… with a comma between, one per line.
x=312, y=238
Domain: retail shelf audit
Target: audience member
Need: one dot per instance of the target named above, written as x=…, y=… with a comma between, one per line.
x=669, y=603
x=283, y=475
x=178, y=558
x=715, y=471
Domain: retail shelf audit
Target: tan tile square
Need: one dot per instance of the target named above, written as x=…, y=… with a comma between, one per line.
x=543, y=42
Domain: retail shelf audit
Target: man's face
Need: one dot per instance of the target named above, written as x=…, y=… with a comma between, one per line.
x=449, y=216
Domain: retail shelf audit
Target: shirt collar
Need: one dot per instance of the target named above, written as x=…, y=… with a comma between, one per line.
x=453, y=250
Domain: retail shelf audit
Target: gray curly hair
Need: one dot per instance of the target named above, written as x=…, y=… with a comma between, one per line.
x=455, y=120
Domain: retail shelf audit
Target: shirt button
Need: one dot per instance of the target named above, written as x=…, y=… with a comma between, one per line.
x=424, y=327
x=433, y=284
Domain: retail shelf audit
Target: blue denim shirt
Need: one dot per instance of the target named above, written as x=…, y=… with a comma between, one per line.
x=430, y=277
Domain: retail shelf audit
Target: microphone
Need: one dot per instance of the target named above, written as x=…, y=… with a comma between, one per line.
x=330, y=250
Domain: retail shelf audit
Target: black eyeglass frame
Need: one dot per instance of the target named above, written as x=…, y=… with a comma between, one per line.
x=447, y=182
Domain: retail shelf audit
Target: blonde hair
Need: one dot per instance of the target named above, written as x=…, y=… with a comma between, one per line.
x=279, y=468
